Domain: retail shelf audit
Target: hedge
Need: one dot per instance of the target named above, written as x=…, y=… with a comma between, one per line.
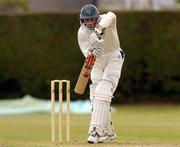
x=37, y=48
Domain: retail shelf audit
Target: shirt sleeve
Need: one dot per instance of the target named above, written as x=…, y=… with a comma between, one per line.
x=107, y=20
x=83, y=42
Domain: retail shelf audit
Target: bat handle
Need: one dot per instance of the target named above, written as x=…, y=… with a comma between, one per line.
x=90, y=61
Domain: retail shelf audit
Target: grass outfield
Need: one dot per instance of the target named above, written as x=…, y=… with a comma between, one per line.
x=137, y=125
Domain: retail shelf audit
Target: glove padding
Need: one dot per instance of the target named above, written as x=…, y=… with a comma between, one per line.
x=96, y=41
x=97, y=52
x=96, y=44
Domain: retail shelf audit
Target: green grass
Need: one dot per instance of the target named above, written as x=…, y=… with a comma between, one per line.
x=137, y=125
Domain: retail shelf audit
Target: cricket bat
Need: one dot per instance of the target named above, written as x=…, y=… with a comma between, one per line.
x=84, y=74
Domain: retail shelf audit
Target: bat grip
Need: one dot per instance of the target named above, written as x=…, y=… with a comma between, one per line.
x=90, y=61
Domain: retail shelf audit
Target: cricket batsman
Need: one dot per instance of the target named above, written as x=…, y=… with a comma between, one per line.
x=98, y=35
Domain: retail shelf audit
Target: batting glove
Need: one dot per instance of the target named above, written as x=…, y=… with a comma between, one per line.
x=97, y=52
x=96, y=41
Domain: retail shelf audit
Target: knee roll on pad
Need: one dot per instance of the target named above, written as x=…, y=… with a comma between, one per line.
x=104, y=91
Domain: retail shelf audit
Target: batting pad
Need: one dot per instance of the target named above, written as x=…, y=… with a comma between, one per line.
x=108, y=125
x=92, y=88
x=99, y=115
x=104, y=91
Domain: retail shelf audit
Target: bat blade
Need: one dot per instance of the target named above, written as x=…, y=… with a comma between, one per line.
x=82, y=80
x=84, y=75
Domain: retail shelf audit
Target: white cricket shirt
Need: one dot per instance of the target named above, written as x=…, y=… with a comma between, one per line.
x=111, y=39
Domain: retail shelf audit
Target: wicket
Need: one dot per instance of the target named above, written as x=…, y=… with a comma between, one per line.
x=60, y=113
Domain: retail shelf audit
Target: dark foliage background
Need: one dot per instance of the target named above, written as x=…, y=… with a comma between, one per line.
x=34, y=49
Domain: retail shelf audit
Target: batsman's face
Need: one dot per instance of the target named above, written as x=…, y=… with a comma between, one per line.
x=90, y=23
